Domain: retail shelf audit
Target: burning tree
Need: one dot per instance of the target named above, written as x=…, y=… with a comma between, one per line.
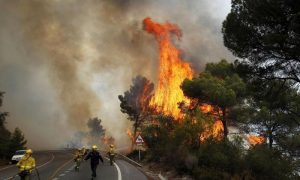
x=172, y=69
x=169, y=98
x=219, y=87
x=135, y=102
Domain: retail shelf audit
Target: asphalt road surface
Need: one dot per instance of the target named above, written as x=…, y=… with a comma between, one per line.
x=59, y=165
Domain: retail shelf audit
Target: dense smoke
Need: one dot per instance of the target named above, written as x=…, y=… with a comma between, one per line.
x=64, y=61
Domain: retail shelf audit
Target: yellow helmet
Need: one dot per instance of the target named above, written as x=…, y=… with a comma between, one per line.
x=28, y=151
x=94, y=147
x=111, y=145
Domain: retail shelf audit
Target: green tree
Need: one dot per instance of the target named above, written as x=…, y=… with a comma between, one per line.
x=4, y=132
x=17, y=141
x=266, y=34
x=158, y=137
x=168, y=139
x=266, y=163
x=271, y=111
x=291, y=144
x=218, y=86
x=220, y=160
x=135, y=102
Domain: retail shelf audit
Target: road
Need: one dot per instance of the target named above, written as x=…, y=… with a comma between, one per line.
x=59, y=165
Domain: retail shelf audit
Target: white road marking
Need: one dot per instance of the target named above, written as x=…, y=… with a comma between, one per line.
x=7, y=167
x=62, y=174
x=11, y=177
x=57, y=170
x=118, y=170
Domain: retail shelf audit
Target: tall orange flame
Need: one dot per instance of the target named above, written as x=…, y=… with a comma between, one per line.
x=130, y=134
x=172, y=70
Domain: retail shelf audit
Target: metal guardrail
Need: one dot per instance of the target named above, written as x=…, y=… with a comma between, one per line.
x=128, y=159
x=161, y=177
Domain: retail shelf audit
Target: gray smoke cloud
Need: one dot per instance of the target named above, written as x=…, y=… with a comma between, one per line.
x=65, y=61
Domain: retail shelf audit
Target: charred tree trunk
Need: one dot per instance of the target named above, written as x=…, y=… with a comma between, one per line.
x=135, y=127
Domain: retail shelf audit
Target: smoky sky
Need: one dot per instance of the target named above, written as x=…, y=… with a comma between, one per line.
x=65, y=61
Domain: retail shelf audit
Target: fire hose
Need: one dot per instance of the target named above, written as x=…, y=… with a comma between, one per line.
x=38, y=174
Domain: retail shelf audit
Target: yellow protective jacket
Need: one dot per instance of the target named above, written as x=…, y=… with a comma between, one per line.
x=77, y=156
x=83, y=151
x=111, y=151
x=26, y=163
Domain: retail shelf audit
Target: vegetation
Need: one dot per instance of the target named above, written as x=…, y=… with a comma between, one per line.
x=271, y=111
x=9, y=142
x=265, y=34
x=218, y=86
x=258, y=94
x=134, y=102
x=268, y=109
x=96, y=130
x=177, y=145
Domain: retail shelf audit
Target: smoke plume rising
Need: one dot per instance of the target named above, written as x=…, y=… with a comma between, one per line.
x=65, y=61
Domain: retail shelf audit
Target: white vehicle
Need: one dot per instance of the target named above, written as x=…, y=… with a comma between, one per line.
x=18, y=156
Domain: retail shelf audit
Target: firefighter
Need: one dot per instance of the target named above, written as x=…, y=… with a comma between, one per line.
x=77, y=159
x=26, y=165
x=95, y=156
x=83, y=151
x=111, y=154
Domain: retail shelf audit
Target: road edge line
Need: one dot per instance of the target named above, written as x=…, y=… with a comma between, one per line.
x=118, y=169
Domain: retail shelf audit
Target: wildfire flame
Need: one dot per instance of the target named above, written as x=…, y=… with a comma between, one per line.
x=172, y=69
x=107, y=140
x=130, y=134
x=254, y=140
x=206, y=108
x=216, y=130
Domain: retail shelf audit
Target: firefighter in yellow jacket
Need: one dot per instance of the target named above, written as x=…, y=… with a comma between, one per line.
x=77, y=159
x=111, y=153
x=26, y=165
